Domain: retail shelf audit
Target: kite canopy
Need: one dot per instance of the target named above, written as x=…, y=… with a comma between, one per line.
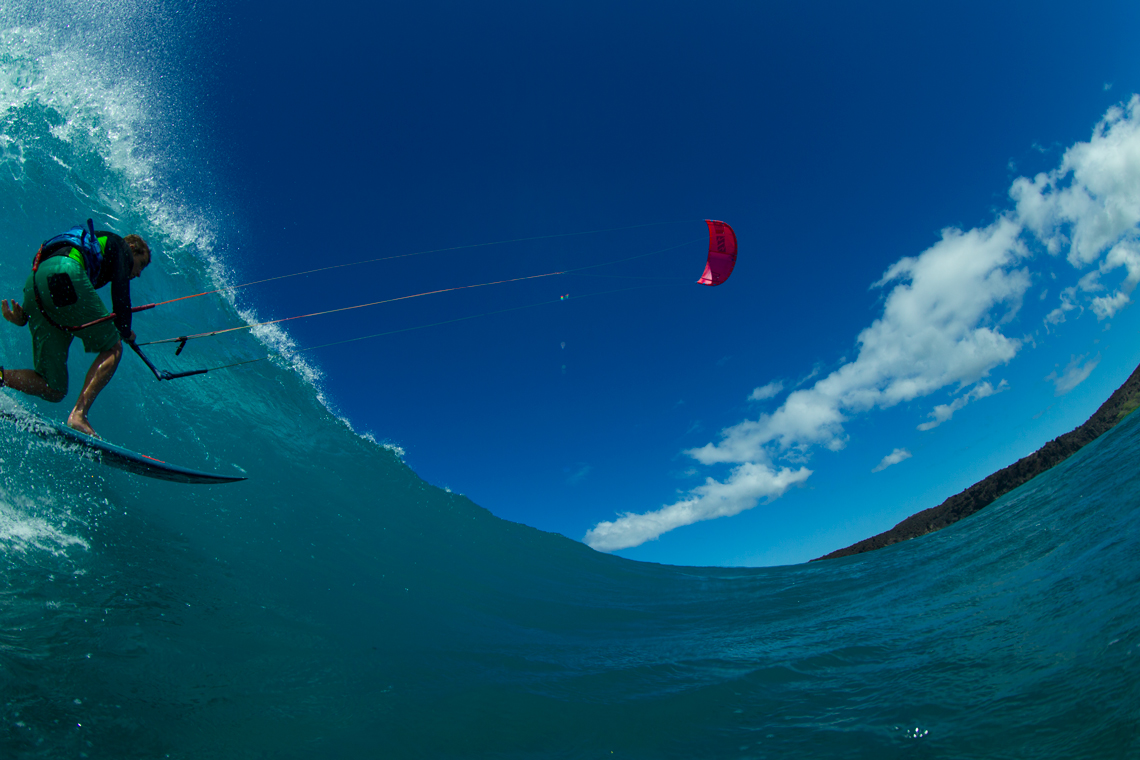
x=722, y=253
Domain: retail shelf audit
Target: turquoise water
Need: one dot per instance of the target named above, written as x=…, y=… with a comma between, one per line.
x=337, y=606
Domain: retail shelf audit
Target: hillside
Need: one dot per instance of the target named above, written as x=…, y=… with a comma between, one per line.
x=982, y=494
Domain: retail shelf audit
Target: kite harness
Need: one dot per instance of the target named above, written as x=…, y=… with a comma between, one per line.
x=85, y=247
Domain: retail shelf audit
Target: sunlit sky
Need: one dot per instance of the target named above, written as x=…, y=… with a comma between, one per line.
x=937, y=209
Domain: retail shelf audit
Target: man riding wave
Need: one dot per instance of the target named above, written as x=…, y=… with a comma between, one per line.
x=60, y=302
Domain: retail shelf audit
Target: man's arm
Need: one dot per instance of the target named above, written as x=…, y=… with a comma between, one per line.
x=120, y=252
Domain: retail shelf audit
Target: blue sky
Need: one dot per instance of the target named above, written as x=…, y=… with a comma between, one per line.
x=888, y=279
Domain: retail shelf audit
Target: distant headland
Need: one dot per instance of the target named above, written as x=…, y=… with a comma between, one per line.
x=983, y=493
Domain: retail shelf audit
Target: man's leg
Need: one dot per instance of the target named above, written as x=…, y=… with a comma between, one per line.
x=102, y=369
x=32, y=382
x=50, y=346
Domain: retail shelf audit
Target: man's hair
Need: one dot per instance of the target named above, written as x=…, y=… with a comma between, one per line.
x=137, y=245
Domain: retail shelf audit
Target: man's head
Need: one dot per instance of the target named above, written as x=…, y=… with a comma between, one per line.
x=140, y=252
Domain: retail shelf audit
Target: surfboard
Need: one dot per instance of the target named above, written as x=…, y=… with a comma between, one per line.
x=116, y=456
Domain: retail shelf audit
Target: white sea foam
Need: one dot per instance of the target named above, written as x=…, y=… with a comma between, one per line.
x=392, y=447
x=21, y=532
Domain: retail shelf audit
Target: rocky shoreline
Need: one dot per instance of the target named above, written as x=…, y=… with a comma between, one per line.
x=983, y=493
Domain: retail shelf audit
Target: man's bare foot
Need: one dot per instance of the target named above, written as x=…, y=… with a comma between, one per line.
x=78, y=421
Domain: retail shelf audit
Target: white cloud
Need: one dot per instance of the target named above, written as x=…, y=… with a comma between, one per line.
x=1074, y=374
x=579, y=473
x=1068, y=303
x=941, y=327
x=943, y=412
x=1090, y=206
x=896, y=456
x=745, y=487
x=1093, y=199
x=770, y=390
x=1124, y=254
x=936, y=330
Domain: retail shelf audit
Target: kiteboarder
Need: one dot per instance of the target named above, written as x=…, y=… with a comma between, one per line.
x=60, y=302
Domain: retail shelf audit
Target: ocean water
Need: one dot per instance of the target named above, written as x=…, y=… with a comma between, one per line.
x=337, y=606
